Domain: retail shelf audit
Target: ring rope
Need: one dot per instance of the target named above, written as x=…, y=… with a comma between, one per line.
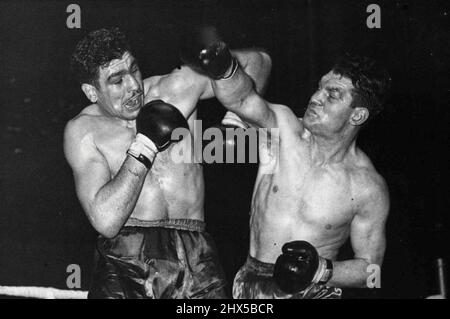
x=42, y=292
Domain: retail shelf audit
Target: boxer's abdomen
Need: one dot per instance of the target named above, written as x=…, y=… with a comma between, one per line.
x=291, y=205
x=171, y=190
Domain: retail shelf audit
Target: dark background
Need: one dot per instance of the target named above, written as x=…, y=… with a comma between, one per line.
x=42, y=226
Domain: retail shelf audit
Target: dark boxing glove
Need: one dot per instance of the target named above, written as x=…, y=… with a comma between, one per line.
x=157, y=120
x=203, y=50
x=154, y=126
x=299, y=266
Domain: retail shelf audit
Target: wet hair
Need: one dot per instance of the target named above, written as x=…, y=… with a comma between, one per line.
x=97, y=50
x=371, y=82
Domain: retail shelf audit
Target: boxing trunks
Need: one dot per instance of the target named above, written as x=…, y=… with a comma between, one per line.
x=173, y=258
x=255, y=281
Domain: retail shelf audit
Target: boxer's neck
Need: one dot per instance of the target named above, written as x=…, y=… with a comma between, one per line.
x=331, y=151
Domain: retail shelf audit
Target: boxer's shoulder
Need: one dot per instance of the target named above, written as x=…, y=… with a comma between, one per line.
x=182, y=79
x=87, y=125
x=286, y=120
x=284, y=115
x=88, y=119
x=78, y=138
x=367, y=181
x=79, y=124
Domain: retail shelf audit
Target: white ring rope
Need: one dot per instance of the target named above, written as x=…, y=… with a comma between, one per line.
x=53, y=293
x=42, y=292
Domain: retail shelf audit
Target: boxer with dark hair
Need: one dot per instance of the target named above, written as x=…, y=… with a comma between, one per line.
x=147, y=208
x=317, y=189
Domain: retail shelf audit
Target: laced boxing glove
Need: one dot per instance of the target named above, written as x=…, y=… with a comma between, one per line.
x=299, y=266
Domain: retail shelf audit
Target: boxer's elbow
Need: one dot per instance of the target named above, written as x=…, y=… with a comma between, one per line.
x=107, y=229
x=265, y=61
x=256, y=59
x=109, y=232
x=103, y=222
x=260, y=67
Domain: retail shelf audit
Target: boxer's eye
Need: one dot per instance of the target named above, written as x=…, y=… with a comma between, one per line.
x=117, y=81
x=332, y=99
x=334, y=94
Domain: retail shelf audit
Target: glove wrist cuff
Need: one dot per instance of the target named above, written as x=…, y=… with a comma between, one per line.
x=142, y=149
x=324, y=271
x=234, y=67
x=141, y=158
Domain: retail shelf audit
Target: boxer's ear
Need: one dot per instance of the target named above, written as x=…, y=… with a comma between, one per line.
x=90, y=92
x=359, y=116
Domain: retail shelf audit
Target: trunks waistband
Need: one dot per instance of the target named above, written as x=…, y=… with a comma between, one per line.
x=181, y=224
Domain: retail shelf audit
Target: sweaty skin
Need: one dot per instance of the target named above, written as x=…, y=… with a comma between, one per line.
x=316, y=184
x=112, y=186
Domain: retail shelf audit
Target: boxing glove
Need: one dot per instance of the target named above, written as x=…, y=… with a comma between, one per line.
x=203, y=50
x=299, y=266
x=157, y=120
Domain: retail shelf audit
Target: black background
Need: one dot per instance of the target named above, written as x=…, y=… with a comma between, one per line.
x=42, y=226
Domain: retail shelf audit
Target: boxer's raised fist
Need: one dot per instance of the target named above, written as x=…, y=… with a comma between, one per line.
x=299, y=266
x=204, y=51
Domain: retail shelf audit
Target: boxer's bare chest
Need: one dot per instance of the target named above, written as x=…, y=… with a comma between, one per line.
x=113, y=142
x=165, y=175
x=303, y=198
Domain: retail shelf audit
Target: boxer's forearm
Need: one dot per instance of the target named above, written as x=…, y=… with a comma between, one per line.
x=234, y=92
x=257, y=64
x=350, y=273
x=115, y=201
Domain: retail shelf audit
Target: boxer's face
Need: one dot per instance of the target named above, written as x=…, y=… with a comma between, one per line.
x=329, y=108
x=120, y=88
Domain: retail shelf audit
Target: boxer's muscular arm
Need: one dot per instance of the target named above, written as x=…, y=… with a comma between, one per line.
x=183, y=87
x=257, y=65
x=238, y=95
x=108, y=202
x=368, y=241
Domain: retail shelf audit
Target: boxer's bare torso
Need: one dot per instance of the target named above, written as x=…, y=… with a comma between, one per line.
x=297, y=198
x=170, y=190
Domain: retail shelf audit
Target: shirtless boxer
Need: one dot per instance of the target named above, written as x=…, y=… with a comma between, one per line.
x=147, y=208
x=317, y=190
